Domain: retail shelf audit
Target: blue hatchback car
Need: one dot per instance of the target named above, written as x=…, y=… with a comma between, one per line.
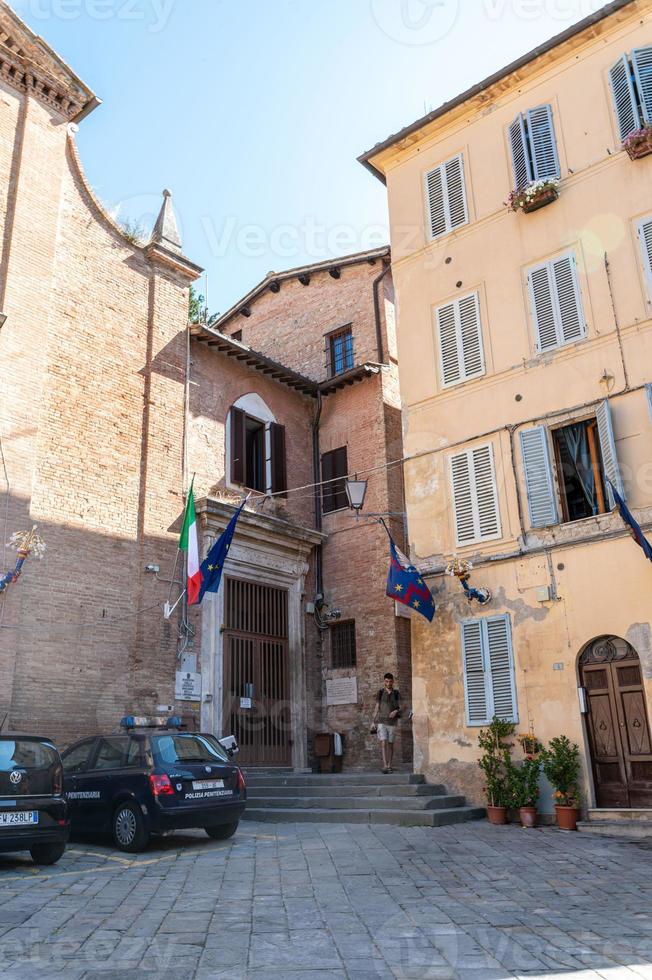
x=150, y=779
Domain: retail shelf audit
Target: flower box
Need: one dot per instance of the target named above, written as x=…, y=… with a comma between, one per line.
x=639, y=144
x=536, y=195
x=541, y=200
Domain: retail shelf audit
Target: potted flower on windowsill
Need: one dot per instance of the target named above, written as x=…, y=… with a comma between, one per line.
x=561, y=765
x=639, y=143
x=495, y=763
x=524, y=784
x=537, y=194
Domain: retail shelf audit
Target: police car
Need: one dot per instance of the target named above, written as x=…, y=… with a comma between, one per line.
x=150, y=779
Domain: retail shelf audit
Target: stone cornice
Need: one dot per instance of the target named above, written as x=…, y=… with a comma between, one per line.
x=160, y=255
x=264, y=533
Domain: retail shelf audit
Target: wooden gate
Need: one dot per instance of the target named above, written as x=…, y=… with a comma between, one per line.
x=619, y=733
x=256, y=679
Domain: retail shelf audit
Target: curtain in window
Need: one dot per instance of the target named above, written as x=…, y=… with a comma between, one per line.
x=575, y=440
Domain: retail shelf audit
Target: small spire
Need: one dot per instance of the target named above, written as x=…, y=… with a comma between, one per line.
x=166, y=231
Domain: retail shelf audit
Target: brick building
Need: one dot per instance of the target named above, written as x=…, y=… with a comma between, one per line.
x=109, y=402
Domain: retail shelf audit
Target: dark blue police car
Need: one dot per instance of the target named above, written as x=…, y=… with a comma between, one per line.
x=152, y=778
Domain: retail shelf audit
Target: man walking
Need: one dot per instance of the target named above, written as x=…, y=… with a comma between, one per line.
x=386, y=715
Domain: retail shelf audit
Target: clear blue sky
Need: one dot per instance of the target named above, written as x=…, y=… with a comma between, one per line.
x=253, y=111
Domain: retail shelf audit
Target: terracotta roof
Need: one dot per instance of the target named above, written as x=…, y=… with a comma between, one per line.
x=582, y=25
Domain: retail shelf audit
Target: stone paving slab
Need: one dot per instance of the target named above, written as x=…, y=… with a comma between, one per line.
x=335, y=902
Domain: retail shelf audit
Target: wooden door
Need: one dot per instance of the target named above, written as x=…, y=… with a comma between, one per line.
x=256, y=676
x=618, y=728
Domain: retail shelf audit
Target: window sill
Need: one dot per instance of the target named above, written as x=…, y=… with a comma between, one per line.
x=567, y=343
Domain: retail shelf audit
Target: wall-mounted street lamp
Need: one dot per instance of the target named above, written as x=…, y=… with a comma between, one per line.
x=356, y=491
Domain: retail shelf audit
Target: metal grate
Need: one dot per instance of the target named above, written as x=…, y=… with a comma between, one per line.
x=343, y=652
x=253, y=608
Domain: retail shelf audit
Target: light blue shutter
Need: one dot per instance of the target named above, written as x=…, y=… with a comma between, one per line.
x=624, y=95
x=543, y=143
x=498, y=640
x=608, y=450
x=486, y=493
x=539, y=483
x=543, y=307
x=642, y=62
x=645, y=235
x=455, y=193
x=475, y=680
x=520, y=154
x=436, y=207
x=648, y=392
x=571, y=316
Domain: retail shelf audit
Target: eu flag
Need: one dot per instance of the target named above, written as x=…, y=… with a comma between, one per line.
x=628, y=518
x=213, y=564
x=404, y=584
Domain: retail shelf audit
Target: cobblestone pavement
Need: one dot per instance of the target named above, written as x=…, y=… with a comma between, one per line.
x=322, y=901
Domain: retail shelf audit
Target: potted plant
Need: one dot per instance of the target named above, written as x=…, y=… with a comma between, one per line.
x=495, y=763
x=537, y=194
x=639, y=143
x=524, y=784
x=562, y=765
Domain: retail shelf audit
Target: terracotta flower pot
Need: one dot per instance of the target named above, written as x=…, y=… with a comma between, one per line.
x=642, y=148
x=567, y=817
x=541, y=200
x=528, y=815
x=497, y=815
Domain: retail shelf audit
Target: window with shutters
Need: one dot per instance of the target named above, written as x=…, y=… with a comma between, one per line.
x=534, y=147
x=475, y=496
x=334, y=470
x=631, y=87
x=446, y=197
x=556, y=303
x=255, y=447
x=459, y=334
x=645, y=237
x=340, y=351
x=488, y=665
x=343, y=653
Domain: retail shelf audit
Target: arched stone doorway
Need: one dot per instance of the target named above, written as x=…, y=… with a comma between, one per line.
x=617, y=723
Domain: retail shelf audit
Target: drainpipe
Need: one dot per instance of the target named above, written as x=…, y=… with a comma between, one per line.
x=319, y=582
x=379, y=324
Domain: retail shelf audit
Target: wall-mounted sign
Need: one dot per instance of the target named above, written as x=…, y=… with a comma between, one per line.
x=342, y=690
x=246, y=703
x=188, y=686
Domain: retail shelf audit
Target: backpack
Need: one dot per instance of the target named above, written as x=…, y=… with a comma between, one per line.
x=396, y=697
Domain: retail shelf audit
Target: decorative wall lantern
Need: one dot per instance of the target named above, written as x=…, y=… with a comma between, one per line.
x=356, y=491
x=460, y=569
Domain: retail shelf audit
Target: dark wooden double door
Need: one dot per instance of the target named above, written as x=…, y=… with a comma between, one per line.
x=618, y=728
x=256, y=673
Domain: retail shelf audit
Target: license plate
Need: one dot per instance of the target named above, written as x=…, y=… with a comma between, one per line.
x=208, y=784
x=18, y=819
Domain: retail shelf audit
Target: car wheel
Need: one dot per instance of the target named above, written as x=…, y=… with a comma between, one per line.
x=222, y=831
x=128, y=827
x=46, y=853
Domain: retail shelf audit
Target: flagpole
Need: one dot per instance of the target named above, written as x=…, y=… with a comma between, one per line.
x=168, y=609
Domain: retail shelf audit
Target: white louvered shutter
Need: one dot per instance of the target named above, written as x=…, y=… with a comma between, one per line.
x=486, y=493
x=571, y=317
x=543, y=307
x=608, y=451
x=501, y=663
x=645, y=235
x=436, y=204
x=543, y=144
x=456, y=192
x=475, y=681
x=463, y=491
x=460, y=340
x=624, y=96
x=539, y=483
x=475, y=496
x=520, y=154
x=642, y=62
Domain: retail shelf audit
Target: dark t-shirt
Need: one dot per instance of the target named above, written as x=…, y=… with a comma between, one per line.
x=387, y=704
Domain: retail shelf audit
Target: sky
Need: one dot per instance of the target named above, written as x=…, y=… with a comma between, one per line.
x=253, y=112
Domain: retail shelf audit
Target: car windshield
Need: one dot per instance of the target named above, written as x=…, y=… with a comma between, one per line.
x=173, y=749
x=26, y=754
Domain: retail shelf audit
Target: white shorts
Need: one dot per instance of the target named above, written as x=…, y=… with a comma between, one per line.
x=386, y=733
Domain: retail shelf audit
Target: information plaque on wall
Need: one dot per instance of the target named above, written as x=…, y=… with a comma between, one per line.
x=342, y=690
x=188, y=686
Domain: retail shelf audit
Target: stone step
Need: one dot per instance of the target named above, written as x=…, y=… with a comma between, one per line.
x=336, y=779
x=407, y=791
x=356, y=802
x=618, y=813
x=616, y=828
x=401, y=817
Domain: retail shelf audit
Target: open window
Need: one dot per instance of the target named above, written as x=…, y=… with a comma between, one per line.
x=257, y=455
x=580, y=471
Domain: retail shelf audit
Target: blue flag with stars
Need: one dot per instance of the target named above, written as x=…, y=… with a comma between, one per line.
x=213, y=564
x=405, y=585
x=628, y=517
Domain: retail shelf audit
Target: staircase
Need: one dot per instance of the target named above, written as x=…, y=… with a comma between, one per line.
x=618, y=823
x=284, y=796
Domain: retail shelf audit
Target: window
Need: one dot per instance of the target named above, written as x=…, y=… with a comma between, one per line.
x=534, y=147
x=111, y=753
x=645, y=235
x=343, y=644
x=257, y=451
x=631, y=87
x=341, y=351
x=446, y=197
x=76, y=758
x=475, y=496
x=236, y=335
x=174, y=750
x=461, y=353
x=584, y=459
x=488, y=662
x=556, y=303
x=334, y=470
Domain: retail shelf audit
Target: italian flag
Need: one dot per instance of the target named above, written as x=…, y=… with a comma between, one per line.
x=188, y=543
